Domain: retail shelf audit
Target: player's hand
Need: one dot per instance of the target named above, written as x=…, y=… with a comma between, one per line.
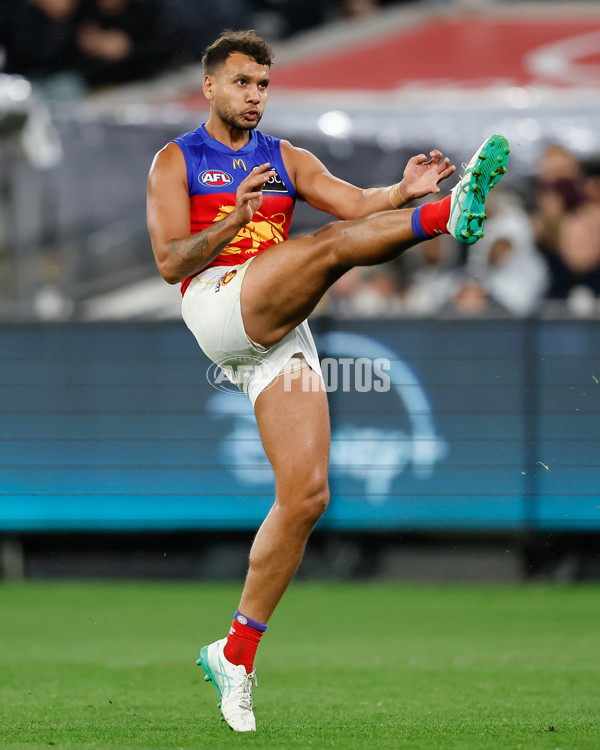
x=249, y=194
x=422, y=175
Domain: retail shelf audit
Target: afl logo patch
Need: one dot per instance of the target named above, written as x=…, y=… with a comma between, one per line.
x=215, y=178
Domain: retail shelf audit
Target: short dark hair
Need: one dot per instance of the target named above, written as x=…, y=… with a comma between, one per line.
x=246, y=42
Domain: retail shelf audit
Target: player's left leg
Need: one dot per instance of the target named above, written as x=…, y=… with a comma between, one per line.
x=293, y=420
x=284, y=283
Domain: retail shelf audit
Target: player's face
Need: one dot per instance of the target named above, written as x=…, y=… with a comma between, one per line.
x=238, y=91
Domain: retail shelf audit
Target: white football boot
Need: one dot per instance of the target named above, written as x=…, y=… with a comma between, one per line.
x=233, y=685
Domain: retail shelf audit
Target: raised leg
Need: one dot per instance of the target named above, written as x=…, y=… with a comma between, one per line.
x=283, y=284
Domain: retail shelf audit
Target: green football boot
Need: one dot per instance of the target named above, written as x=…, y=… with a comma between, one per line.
x=468, y=196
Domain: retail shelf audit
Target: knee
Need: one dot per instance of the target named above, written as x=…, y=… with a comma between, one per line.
x=327, y=241
x=308, y=501
x=315, y=504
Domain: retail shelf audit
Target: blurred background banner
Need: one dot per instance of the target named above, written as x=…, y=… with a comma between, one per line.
x=485, y=425
x=471, y=49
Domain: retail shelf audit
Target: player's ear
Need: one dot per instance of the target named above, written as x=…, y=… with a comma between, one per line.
x=207, y=87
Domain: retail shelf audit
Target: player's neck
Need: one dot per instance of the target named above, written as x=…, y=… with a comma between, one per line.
x=234, y=138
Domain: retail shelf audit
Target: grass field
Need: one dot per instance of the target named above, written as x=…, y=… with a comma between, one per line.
x=342, y=665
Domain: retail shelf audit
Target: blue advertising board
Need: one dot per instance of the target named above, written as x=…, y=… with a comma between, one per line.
x=489, y=424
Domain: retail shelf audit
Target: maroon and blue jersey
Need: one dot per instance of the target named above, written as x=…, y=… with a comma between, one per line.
x=214, y=173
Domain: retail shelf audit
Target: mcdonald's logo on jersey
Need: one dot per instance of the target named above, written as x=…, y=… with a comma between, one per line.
x=215, y=178
x=239, y=164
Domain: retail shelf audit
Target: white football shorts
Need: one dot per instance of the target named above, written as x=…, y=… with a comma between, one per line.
x=212, y=311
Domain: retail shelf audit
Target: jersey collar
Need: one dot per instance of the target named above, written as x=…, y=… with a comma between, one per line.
x=218, y=146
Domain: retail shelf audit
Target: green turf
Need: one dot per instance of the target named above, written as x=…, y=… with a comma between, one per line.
x=344, y=666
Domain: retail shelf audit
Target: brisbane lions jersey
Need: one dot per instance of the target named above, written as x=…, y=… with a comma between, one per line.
x=214, y=173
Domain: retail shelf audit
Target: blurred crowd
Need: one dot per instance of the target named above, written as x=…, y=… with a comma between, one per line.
x=72, y=46
x=69, y=46
x=541, y=243
x=542, y=239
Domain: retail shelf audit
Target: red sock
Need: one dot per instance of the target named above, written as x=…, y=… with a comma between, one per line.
x=242, y=643
x=434, y=217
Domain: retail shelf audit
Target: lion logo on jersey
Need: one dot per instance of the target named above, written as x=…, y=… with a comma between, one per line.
x=261, y=232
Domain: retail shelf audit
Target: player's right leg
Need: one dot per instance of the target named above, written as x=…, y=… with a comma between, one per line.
x=284, y=283
x=293, y=421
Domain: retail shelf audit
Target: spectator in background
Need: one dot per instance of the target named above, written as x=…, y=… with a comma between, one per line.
x=429, y=276
x=579, y=252
x=379, y=295
x=284, y=18
x=124, y=40
x=357, y=8
x=558, y=189
x=566, y=224
x=366, y=293
x=198, y=20
x=506, y=261
x=469, y=300
x=39, y=41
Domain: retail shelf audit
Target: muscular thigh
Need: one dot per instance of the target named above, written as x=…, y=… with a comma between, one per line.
x=283, y=285
x=293, y=421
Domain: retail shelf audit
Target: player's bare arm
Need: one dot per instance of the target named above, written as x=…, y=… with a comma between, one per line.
x=322, y=190
x=179, y=253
